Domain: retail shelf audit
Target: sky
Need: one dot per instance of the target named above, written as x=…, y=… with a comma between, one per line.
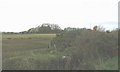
x=20, y=15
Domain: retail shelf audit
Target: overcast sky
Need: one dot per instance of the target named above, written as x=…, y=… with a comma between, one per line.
x=20, y=15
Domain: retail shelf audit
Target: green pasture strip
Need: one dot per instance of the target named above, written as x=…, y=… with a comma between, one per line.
x=12, y=36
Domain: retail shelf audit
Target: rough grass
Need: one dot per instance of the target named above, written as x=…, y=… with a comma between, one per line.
x=23, y=50
x=110, y=64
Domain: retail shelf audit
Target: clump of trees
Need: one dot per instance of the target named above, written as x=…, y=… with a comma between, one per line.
x=45, y=28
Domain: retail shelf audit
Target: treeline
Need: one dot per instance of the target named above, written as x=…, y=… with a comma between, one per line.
x=53, y=28
x=45, y=28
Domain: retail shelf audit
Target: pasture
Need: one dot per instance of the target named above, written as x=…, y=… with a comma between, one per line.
x=18, y=49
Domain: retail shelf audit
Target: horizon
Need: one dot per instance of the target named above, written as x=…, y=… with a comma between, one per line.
x=110, y=27
x=17, y=16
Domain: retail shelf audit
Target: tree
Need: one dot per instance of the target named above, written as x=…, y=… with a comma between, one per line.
x=31, y=30
x=55, y=28
x=95, y=28
x=46, y=28
x=99, y=28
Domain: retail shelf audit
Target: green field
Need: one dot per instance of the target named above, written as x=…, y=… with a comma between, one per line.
x=18, y=49
x=14, y=36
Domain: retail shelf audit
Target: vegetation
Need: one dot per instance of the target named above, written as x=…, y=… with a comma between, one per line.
x=44, y=28
x=68, y=49
x=87, y=47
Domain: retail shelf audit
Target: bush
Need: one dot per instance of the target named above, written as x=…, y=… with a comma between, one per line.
x=87, y=47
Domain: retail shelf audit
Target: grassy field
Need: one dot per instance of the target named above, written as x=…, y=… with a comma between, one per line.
x=18, y=49
x=14, y=36
x=31, y=52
